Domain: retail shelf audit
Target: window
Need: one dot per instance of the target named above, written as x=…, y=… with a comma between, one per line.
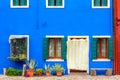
x=54, y=3
x=19, y=3
x=19, y=45
x=100, y=3
x=54, y=48
x=102, y=47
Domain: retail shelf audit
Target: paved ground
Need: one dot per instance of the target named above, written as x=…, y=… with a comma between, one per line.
x=66, y=77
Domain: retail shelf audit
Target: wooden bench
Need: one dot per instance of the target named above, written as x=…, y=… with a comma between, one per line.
x=108, y=71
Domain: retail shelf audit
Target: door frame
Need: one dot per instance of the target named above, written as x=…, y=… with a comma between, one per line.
x=87, y=37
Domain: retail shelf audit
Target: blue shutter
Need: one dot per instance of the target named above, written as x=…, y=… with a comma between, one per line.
x=58, y=2
x=23, y=2
x=51, y=3
x=96, y=2
x=104, y=2
x=15, y=2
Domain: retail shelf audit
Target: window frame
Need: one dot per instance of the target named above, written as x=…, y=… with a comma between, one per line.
x=55, y=57
x=100, y=48
x=63, y=3
x=20, y=36
x=108, y=5
x=12, y=6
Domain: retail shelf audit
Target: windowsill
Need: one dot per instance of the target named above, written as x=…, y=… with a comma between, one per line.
x=19, y=6
x=100, y=7
x=54, y=6
x=97, y=60
x=54, y=60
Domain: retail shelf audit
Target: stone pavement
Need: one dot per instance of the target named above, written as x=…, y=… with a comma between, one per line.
x=65, y=77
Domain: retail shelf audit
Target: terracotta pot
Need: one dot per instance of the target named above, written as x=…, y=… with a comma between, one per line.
x=59, y=73
x=30, y=73
x=40, y=74
x=48, y=74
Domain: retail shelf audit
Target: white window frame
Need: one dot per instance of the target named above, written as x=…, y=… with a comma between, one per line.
x=21, y=36
x=101, y=36
x=54, y=36
x=108, y=5
x=63, y=3
x=11, y=5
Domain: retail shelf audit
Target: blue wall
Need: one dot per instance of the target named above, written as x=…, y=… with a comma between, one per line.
x=77, y=18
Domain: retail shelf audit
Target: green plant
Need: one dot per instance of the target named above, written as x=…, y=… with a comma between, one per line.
x=58, y=68
x=47, y=68
x=13, y=72
x=39, y=70
x=31, y=64
x=22, y=56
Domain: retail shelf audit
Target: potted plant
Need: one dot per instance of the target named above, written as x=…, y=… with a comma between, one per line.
x=39, y=71
x=47, y=70
x=31, y=64
x=58, y=68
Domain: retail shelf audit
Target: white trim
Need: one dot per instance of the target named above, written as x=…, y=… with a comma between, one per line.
x=87, y=37
x=21, y=36
x=54, y=36
x=108, y=5
x=102, y=36
x=98, y=60
x=54, y=60
x=11, y=5
x=63, y=3
x=101, y=68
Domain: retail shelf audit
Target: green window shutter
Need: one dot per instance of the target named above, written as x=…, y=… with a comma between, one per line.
x=110, y=48
x=104, y=2
x=94, y=48
x=51, y=3
x=64, y=48
x=15, y=2
x=45, y=48
x=96, y=2
x=58, y=2
x=23, y=2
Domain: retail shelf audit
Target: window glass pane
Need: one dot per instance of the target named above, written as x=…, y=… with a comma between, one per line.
x=15, y=2
x=23, y=2
x=96, y=2
x=104, y=2
x=103, y=47
x=51, y=3
x=58, y=2
x=51, y=48
x=58, y=47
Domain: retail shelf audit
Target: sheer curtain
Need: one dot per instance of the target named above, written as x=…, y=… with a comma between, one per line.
x=77, y=54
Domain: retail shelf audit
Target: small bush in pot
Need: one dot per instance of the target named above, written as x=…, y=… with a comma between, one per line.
x=39, y=71
x=58, y=68
x=31, y=64
x=47, y=70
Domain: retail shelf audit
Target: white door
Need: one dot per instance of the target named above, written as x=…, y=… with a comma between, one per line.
x=77, y=54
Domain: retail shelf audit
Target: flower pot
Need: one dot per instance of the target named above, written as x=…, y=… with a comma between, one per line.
x=48, y=74
x=59, y=73
x=40, y=74
x=30, y=73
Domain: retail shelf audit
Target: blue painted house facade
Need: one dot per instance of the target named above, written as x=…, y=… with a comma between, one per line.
x=57, y=28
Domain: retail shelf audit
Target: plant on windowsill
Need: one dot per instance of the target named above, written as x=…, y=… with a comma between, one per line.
x=58, y=68
x=20, y=57
x=39, y=71
x=31, y=64
x=47, y=70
